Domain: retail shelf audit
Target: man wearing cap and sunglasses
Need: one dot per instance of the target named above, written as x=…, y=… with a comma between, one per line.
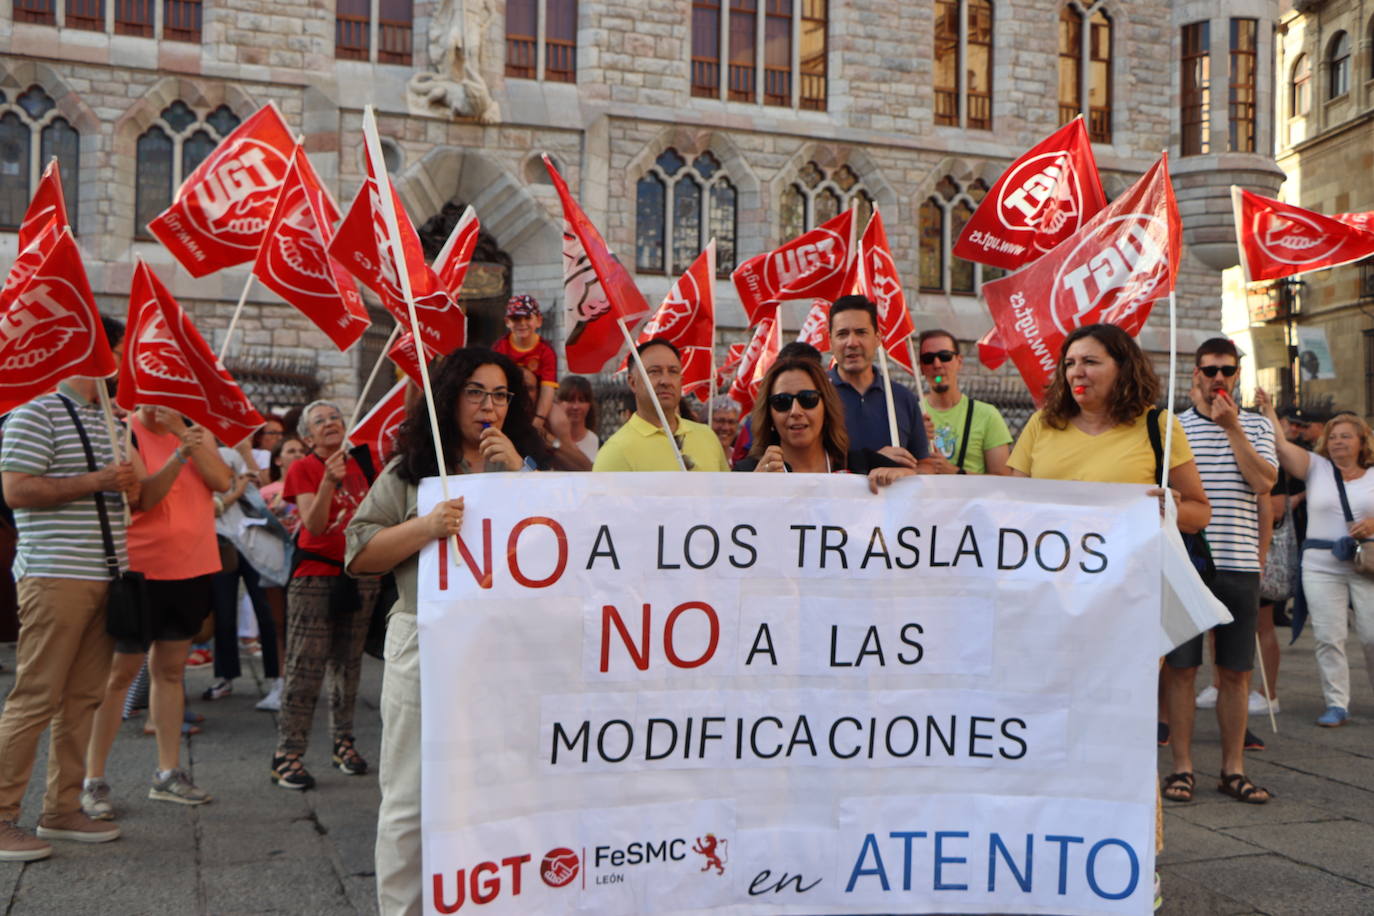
x=528, y=350
x=970, y=433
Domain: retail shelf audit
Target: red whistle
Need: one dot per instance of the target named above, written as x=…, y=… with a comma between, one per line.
x=1079, y=389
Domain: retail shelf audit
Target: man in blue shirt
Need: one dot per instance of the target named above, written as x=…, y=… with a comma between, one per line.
x=854, y=342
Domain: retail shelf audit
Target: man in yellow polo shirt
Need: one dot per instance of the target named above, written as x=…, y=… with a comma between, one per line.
x=641, y=445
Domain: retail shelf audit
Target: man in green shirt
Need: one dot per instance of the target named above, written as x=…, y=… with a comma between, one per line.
x=971, y=434
x=640, y=445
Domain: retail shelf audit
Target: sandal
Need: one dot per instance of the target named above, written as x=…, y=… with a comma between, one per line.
x=1178, y=787
x=289, y=773
x=347, y=758
x=1239, y=787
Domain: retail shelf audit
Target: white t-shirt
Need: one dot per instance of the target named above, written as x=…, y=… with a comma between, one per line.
x=589, y=445
x=1325, y=520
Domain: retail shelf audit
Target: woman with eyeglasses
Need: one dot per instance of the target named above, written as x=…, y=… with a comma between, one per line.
x=485, y=424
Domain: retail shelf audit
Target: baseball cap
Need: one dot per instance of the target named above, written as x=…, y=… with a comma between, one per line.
x=522, y=307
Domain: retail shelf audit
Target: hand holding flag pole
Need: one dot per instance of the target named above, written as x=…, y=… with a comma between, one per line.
x=374, y=152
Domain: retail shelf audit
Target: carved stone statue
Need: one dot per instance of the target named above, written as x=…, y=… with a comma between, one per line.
x=455, y=87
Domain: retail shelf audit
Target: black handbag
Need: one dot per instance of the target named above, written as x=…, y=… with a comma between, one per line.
x=127, y=614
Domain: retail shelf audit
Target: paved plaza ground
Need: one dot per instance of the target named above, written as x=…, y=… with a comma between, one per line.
x=258, y=849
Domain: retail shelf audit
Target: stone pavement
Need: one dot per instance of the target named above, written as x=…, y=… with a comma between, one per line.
x=259, y=849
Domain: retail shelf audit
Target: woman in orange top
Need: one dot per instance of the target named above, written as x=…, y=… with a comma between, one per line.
x=172, y=542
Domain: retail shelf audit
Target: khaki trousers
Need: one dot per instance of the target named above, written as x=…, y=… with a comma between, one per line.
x=64, y=661
x=398, y=819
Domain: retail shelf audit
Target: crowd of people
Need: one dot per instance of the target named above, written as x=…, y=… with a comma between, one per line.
x=319, y=539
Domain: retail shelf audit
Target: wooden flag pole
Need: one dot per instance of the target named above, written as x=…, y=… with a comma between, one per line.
x=887, y=395
x=108, y=410
x=711, y=272
x=649, y=387
x=374, y=150
x=376, y=367
x=233, y=322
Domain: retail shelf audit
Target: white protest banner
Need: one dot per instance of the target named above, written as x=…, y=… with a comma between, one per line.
x=767, y=693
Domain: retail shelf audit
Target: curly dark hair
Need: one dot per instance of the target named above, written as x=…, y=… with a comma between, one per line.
x=448, y=376
x=1136, y=389
x=834, y=435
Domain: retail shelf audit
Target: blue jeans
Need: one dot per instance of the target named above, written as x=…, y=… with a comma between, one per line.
x=225, y=587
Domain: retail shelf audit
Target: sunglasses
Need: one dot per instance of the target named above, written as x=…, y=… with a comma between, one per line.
x=1211, y=371
x=782, y=403
x=943, y=356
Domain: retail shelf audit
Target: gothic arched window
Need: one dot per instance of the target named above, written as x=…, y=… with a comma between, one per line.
x=679, y=208
x=817, y=196
x=32, y=132
x=169, y=150
x=943, y=216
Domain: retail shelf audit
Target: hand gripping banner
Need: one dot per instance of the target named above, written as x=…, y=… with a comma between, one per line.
x=687, y=694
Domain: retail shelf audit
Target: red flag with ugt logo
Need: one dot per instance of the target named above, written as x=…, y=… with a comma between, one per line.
x=293, y=260
x=222, y=210
x=879, y=281
x=451, y=266
x=1279, y=240
x=30, y=259
x=815, y=329
x=47, y=205
x=1362, y=221
x=1111, y=270
x=815, y=264
x=168, y=364
x=378, y=429
x=597, y=289
x=50, y=329
x=362, y=246
x=754, y=363
x=726, y=370
x=687, y=318
x=402, y=353
x=1039, y=201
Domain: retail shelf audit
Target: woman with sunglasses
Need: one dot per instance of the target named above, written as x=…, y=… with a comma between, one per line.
x=485, y=424
x=799, y=423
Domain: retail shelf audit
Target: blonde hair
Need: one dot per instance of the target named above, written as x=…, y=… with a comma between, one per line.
x=1366, y=457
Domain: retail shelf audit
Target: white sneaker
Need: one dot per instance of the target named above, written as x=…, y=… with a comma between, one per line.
x=1207, y=699
x=271, y=702
x=1258, y=706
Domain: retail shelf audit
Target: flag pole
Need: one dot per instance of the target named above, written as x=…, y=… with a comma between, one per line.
x=1169, y=397
x=649, y=387
x=367, y=385
x=374, y=151
x=711, y=272
x=233, y=322
x=119, y=454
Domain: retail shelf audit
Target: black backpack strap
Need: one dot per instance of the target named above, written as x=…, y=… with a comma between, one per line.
x=968, y=430
x=1152, y=424
x=111, y=557
x=1340, y=488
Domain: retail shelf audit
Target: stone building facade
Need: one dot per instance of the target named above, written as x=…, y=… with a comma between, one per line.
x=769, y=117
x=1325, y=146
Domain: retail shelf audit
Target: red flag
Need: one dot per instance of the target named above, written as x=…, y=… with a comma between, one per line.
x=687, y=317
x=1362, y=221
x=361, y=245
x=755, y=362
x=402, y=353
x=1279, y=240
x=879, y=281
x=378, y=429
x=726, y=370
x=294, y=263
x=50, y=329
x=597, y=289
x=47, y=206
x=29, y=260
x=1040, y=200
x=991, y=351
x=167, y=363
x=814, y=264
x=1111, y=270
x=451, y=266
x=815, y=330
x=222, y=210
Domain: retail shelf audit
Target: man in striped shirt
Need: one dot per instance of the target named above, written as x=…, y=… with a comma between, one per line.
x=64, y=652
x=1237, y=461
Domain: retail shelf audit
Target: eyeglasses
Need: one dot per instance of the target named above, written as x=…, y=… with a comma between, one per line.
x=943, y=356
x=475, y=395
x=1211, y=371
x=782, y=403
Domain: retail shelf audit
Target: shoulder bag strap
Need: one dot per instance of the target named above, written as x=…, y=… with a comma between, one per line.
x=111, y=557
x=968, y=429
x=1152, y=424
x=1340, y=488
